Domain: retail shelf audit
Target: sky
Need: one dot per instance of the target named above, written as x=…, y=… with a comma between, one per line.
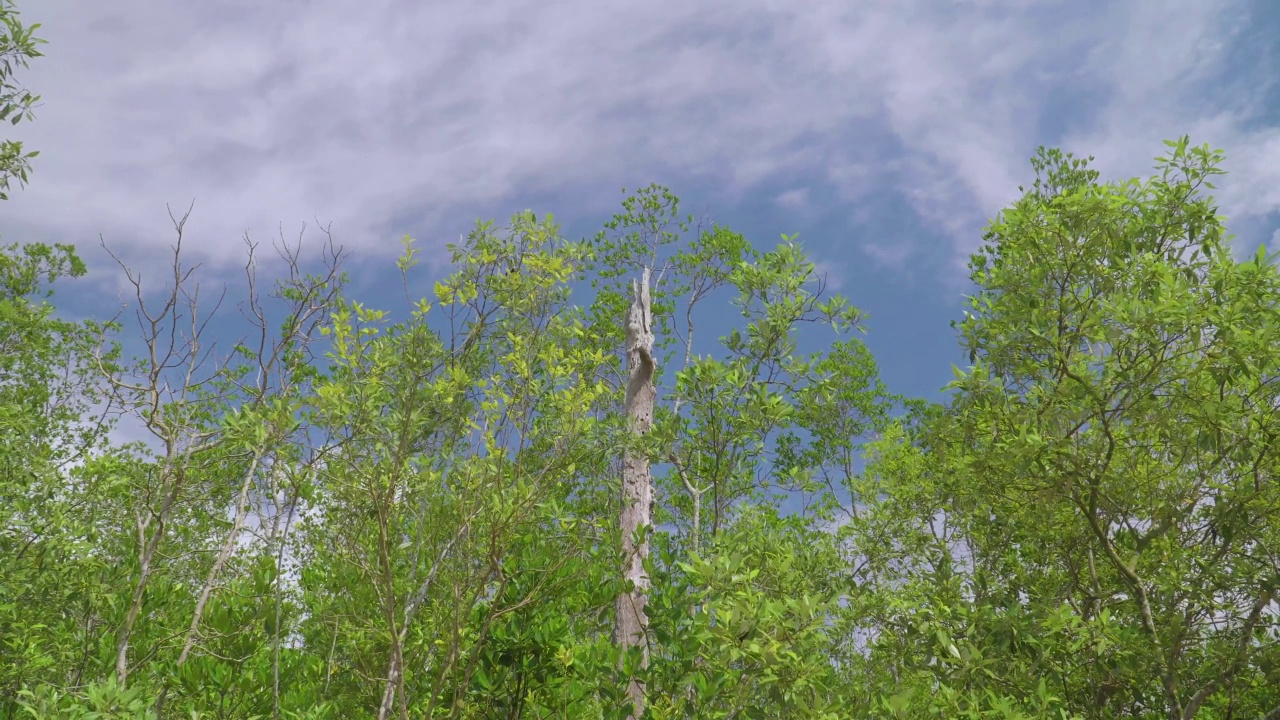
x=884, y=132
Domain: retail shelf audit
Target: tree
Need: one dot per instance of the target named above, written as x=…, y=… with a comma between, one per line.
x=632, y=623
x=1089, y=530
x=51, y=421
x=18, y=46
x=746, y=429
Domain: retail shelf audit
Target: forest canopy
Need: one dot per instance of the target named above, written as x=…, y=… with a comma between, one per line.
x=549, y=489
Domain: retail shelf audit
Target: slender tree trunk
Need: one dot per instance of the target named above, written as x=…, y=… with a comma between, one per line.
x=146, y=558
x=631, y=622
x=396, y=667
x=206, y=591
x=224, y=554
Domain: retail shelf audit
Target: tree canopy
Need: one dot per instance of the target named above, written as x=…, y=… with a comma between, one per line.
x=551, y=488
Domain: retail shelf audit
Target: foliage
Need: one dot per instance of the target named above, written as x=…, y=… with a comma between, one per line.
x=412, y=512
x=1090, y=528
x=18, y=46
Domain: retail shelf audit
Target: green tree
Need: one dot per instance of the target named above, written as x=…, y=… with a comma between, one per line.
x=52, y=421
x=48, y=428
x=1090, y=529
x=422, y=522
x=18, y=46
x=743, y=426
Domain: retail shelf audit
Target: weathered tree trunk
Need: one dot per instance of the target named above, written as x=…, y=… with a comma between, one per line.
x=631, y=622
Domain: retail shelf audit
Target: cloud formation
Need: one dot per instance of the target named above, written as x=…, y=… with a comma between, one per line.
x=392, y=116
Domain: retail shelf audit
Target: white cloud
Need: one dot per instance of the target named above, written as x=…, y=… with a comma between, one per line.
x=893, y=257
x=796, y=199
x=1159, y=89
x=391, y=115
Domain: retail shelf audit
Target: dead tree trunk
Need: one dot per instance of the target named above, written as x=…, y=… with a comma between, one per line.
x=631, y=622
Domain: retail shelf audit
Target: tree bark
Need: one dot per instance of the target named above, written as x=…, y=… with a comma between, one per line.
x=631, y=621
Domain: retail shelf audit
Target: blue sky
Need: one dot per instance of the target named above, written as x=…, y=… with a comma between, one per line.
x=884, y=132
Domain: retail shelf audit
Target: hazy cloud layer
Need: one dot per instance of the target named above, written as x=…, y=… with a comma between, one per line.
x=390, y=116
